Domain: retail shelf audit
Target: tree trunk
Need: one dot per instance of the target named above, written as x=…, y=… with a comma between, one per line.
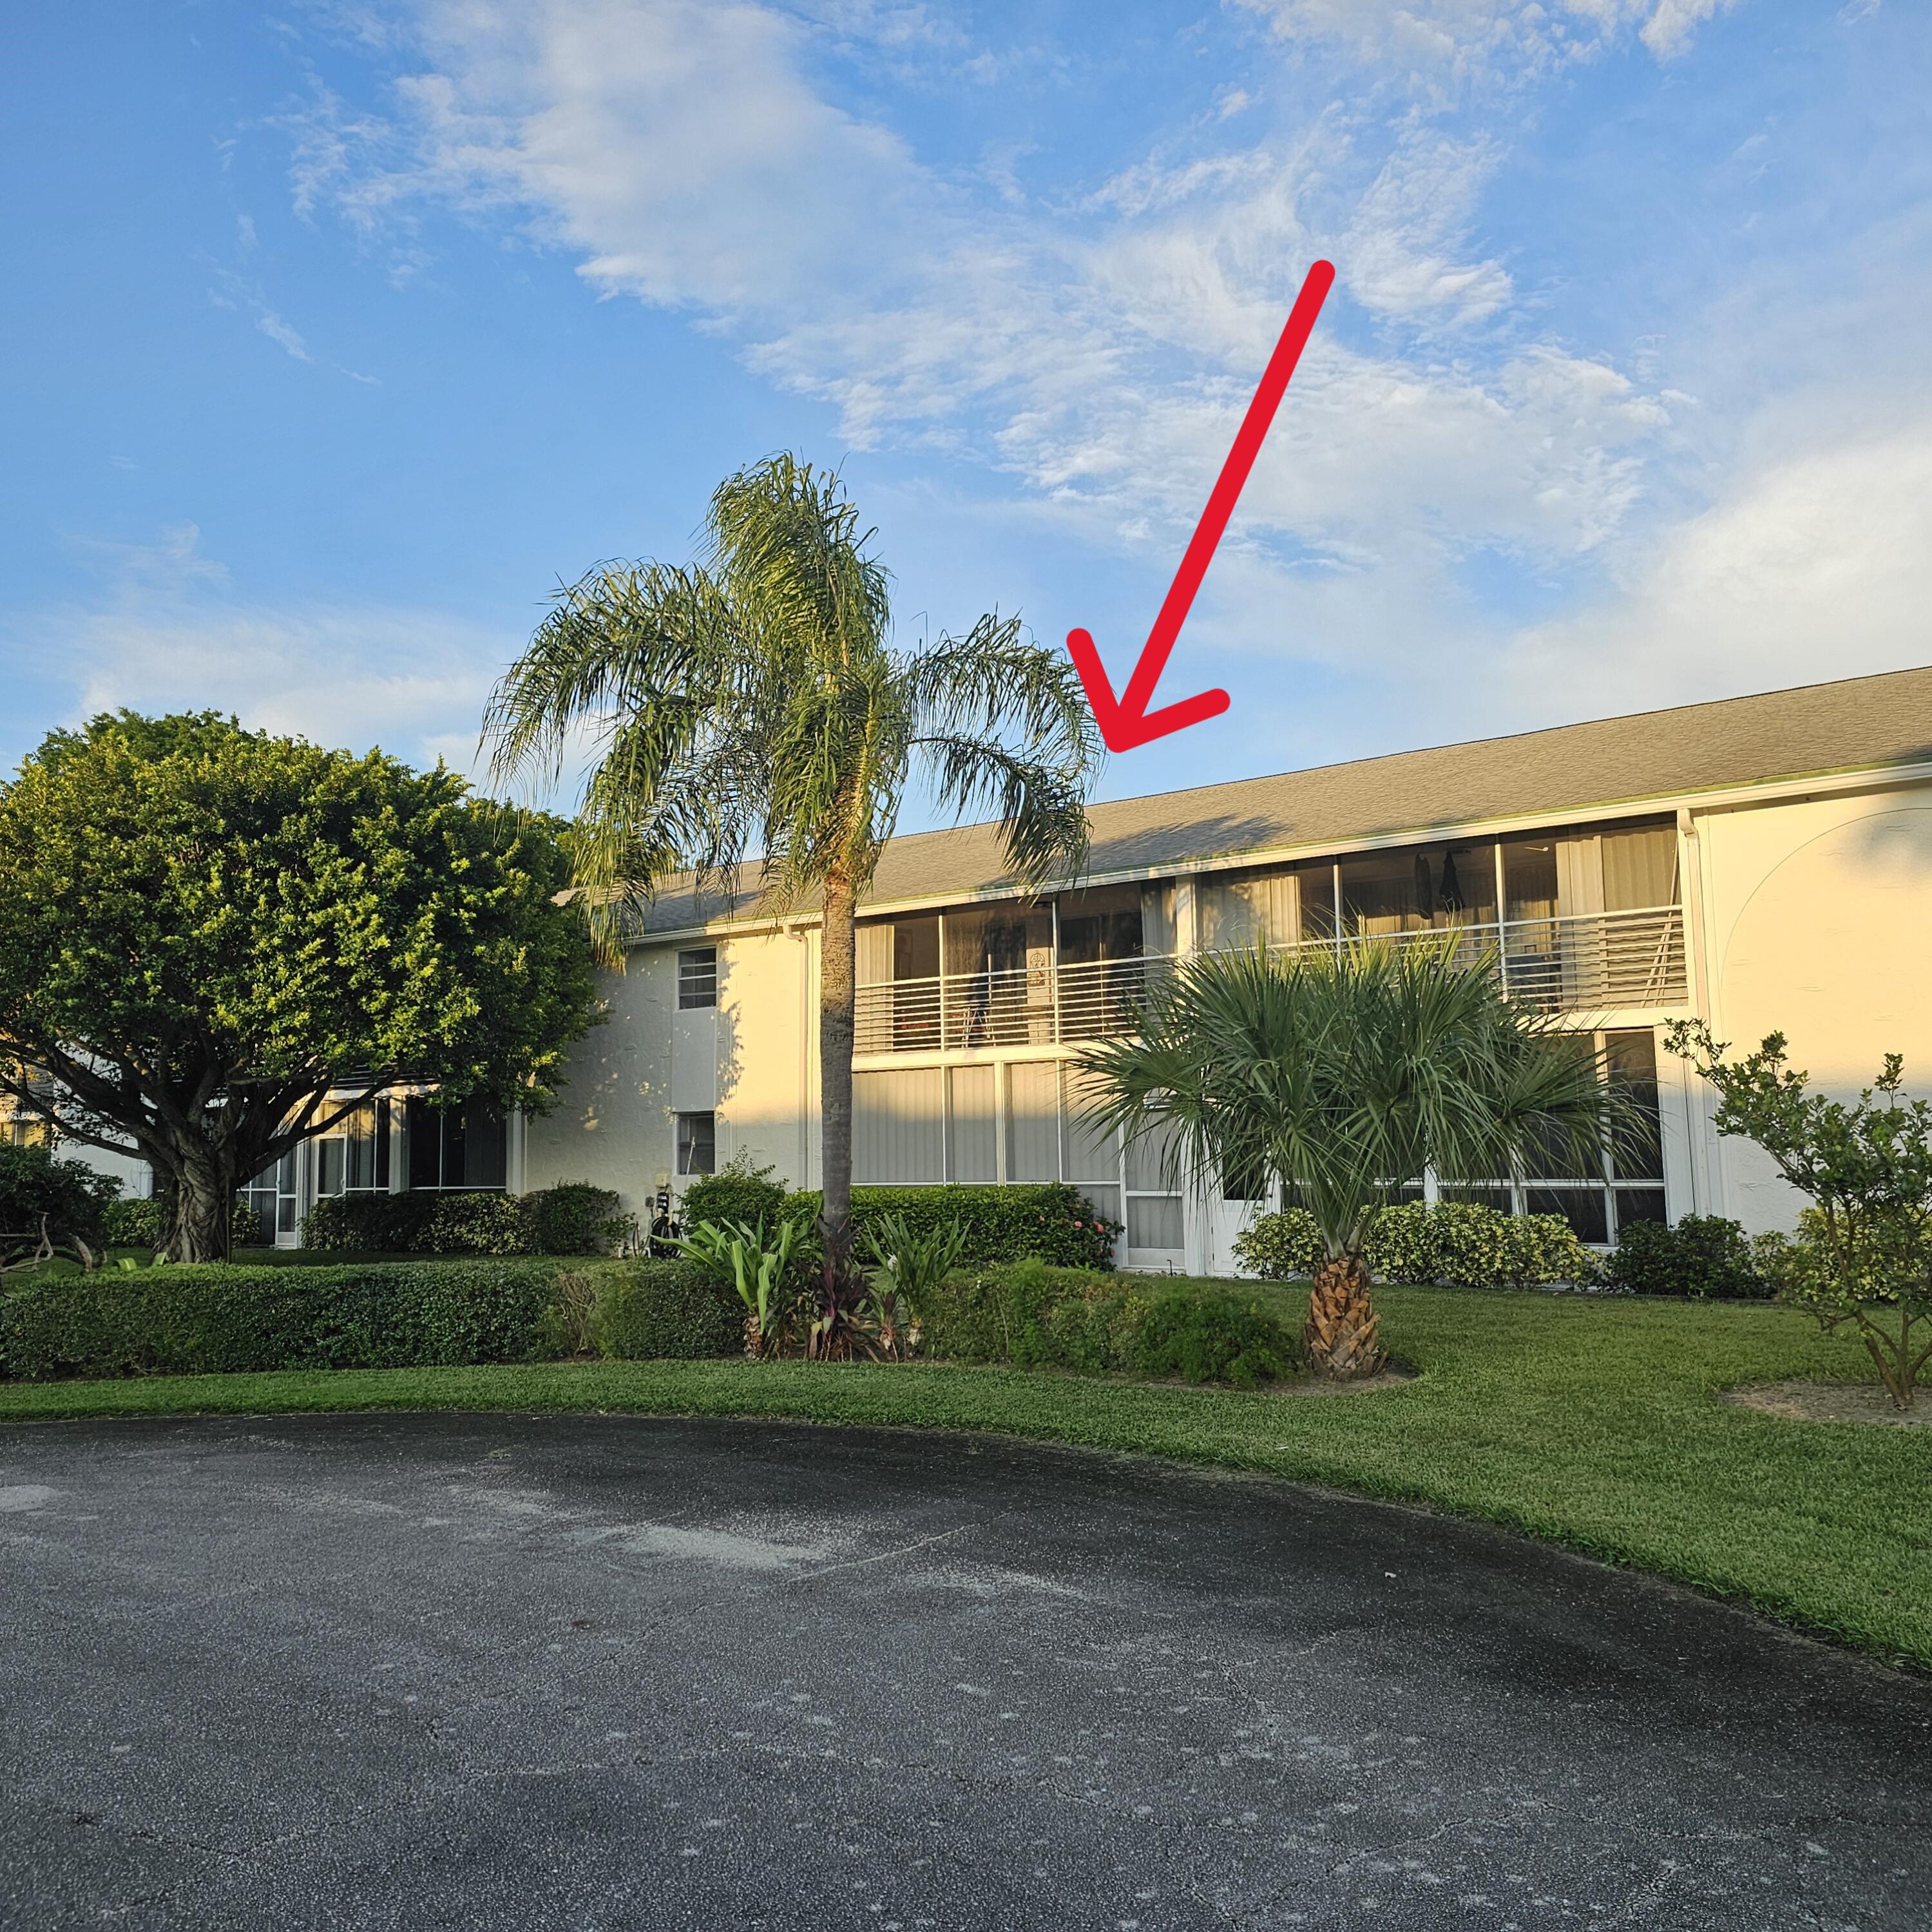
x=1340, y=1340
x=203, y=1206
x=838, y=970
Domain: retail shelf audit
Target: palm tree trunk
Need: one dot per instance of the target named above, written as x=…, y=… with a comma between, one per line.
x=1340, y=1340
x=838, y=971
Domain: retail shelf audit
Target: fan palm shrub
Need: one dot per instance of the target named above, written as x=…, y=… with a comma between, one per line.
x=1341, y=1075
x=755, y=703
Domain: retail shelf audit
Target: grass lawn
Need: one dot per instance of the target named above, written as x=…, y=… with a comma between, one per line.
x=1587, y=1422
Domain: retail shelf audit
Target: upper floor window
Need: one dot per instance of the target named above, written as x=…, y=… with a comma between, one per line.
x=697, y=977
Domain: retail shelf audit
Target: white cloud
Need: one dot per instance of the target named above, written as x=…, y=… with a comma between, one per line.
x=1818, y=561
x=1103, y=351
x=167, y=631
x=1425, y=39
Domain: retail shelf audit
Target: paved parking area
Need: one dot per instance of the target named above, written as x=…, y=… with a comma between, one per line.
x=609, y=1673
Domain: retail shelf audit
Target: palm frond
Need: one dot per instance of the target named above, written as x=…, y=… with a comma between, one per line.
x=1344, y=1075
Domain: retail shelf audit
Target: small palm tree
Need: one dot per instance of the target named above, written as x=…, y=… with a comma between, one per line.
x=753, y=703
x=1342, y=1076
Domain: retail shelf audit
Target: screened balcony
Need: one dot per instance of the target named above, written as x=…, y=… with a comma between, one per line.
x=1578, y=962
x=1584, y=922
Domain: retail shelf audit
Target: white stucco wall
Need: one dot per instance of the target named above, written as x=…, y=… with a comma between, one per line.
x=752, y=1062
x=1818, y=917
x=613, y=1126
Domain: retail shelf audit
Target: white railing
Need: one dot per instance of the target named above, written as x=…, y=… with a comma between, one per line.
x=1580, y=962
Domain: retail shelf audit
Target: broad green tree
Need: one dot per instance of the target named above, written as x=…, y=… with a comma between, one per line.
x=1864, y=1252
x=755, y=705
x=217, y=942
x=1341, y=1077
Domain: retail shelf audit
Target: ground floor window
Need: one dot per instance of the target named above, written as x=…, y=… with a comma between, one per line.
x=1012, y=1121
x=465, y=1146
x=273, y=1197
x=353, y=1156
x=697, y=1143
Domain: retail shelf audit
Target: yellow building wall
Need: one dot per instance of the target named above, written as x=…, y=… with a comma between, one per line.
x=1818, y=922
x=768, y=1054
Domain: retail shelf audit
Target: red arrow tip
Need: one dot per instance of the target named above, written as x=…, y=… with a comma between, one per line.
x=1123, y=726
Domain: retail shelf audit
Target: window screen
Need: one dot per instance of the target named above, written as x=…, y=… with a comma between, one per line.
x=697, y=1143
x=697, y=977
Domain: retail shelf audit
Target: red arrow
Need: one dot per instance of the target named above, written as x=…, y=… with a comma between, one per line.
x=1125, y=721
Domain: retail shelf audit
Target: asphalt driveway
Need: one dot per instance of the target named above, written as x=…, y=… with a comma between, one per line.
x=608, y=1673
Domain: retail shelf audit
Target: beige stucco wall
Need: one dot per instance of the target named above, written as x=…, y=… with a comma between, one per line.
x=767, y=1057
x=1818, y=918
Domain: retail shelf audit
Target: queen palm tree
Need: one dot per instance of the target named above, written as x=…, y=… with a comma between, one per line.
x=753, y=704
x=1341, y=1076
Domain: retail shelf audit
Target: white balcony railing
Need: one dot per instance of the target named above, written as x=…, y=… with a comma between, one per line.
x=1582, y=962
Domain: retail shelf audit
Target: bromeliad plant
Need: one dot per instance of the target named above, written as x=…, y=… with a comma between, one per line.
x=1864, y=1251
x=909, y=1267
x=1339, y=1076
x=758, y=1267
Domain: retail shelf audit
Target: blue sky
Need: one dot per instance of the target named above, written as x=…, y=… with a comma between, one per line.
x=340, y=333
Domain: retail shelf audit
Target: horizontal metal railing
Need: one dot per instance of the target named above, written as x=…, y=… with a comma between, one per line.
x=1579, y=962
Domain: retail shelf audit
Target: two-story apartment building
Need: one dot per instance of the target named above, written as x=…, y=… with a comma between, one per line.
x=1765, y=862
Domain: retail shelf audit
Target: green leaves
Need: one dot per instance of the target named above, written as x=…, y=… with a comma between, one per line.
x=209, y=927
x=755, y=703
x=1343, y=1076
x=1864, y=1253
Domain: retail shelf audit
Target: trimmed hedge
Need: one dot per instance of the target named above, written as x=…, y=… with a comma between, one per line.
x=1034, y=1316
x=221, y=1318
x=1704, y=1257
x=665, y=1309
x=1460, y=1243
x=575, y=1219
x=1050, y=1221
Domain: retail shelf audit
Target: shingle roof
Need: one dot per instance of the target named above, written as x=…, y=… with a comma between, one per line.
x=1855, y=723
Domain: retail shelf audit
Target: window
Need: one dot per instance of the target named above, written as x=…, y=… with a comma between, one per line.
x=456, y=1147
x=272, y=1194
x=697, y=1143
x=696, y=978
x=353, y=1157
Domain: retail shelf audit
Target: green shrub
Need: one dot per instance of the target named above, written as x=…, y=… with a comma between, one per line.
x=1405, y=1244
x=652, y=1309
x=1280, y=1247
x=219, y=1319
x=1034, y=1316
x=1703, y=1256
x=576, y=1218
x=137, y=1224
x=738, y=1192
x=1050, y=1221
x=1462, y=1243
x=1210, y=1336
x=69, y=1195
